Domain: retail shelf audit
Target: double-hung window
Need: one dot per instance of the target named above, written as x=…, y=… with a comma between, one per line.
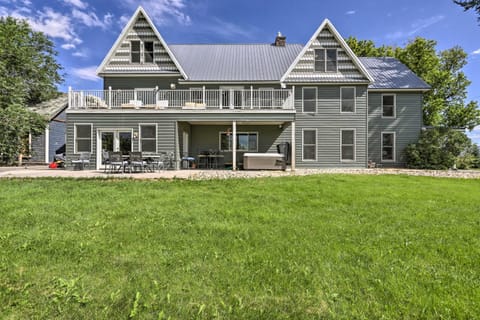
x=83, y=138
x=347, y=99
x=388, y=106
x=246, y=141
x=309, y=144
x=148, y=52
x=309, y=100
x=326, y=60
x=148, y=138
x=347, y=145
x=135, y=51
x=388, y=146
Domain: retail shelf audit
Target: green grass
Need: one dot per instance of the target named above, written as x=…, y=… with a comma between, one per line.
x=328, y=247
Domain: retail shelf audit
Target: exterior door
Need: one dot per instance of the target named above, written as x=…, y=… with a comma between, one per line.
x=232, y=97
x=112, y=140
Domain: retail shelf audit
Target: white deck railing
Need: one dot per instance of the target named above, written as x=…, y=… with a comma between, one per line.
x=258, y=99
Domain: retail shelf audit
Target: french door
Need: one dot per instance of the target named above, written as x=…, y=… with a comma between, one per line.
x=112, y=140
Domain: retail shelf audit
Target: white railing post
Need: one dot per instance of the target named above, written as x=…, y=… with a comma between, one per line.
x=251, y=97
x=109, y=97
x=82, y=102
x=203, y=95
x=156, y=96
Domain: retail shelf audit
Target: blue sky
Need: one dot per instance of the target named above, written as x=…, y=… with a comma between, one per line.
x=84, y=30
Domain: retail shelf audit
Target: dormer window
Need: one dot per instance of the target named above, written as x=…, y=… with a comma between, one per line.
x=135, y=51
x=326, y=60
x=148, y=52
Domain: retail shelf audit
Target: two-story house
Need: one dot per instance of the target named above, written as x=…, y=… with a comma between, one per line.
x=333, y=108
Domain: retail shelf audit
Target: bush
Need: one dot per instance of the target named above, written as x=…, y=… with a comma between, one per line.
x=440, y=149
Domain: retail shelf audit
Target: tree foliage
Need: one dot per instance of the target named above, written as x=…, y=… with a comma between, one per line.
x=470, y=4
x=444, y=104
x=29, y=74
x=440, y=149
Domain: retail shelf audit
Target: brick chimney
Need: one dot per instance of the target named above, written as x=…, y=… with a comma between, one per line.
x=280, y=40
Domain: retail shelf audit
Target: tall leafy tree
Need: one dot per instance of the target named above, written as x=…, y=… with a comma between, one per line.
x=29, y=74
x=470, y=4
x=444, y=104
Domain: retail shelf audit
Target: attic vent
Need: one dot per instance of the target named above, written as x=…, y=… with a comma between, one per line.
x=280, y=40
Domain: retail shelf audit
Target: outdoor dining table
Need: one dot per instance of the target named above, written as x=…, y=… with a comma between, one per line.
x=210, y=161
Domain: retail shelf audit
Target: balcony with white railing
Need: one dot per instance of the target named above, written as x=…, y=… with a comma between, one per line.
x=198, y=99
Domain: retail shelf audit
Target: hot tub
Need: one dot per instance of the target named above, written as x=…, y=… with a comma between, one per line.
x=263, y=161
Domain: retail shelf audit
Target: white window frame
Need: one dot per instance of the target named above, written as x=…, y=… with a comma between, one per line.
x=354, y=100
x=140, y=137
x=394, y=106
x=394, y=146
x=325, y=60
x=238, y=133
x=303, y=144
x=316, y=99
x=139, y=52
x=354, y=145
x=75, y=145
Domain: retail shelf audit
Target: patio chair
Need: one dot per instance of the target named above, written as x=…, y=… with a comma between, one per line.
x=136, y=161
x=82, y=162
x=105, y=160
x=117, y=163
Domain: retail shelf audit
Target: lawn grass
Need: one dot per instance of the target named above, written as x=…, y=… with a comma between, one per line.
x=328, y=246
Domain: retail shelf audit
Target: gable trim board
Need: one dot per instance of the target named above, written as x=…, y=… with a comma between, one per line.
x=327, y=24
x=140, y=11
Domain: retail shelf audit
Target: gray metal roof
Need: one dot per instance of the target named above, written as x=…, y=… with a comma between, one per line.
x=266, y=62
x=51, y=108
x=235, y=62
x=390, y=73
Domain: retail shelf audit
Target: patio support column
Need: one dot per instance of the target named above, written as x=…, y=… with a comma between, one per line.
x=47, y=143
x=234, y=145
x=292, y=147
x=177, y=147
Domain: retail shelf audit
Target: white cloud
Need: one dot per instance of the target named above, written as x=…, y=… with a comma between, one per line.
x=81, y=54
x=123, y=20
x=68, y=46
x=350, y=12
x=91, y=20
x=476, y=51
x=87, y=73
x=226, y=29
x=416, y=27
x=77, y=3
x=163, y=11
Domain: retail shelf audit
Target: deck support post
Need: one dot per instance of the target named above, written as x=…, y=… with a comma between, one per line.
x=292, y=147
x=234, y=145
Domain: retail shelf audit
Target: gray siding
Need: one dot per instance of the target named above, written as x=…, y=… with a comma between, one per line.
x=56, y=140
x=328, y=121
x=407, y=124
x=37, y=149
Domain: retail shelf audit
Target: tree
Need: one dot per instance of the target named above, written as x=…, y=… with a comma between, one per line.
x=470, y=4
x=29, y=74
x=444, y=104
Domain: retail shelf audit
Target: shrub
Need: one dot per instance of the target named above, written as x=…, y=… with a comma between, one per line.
x=440, y=149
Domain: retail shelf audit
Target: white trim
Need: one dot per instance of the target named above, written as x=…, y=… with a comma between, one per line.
x=394, y=106
x=139, y=50
x=75, y=124
x=394, y=151
x=303, y=144
x=303, y=100
x=325, y=60
x=124, y=33
x=354, y=145
x=354, y=100
x=116, y=141
x=140, y=136
x=292, y=147
x=399, y=90
x=340, y=40
x=47, y=143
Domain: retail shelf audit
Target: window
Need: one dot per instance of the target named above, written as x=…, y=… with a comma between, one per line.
x=348, y=145
x=388, y=106
x=309, y=99
x=347, y=97
x=135, y=51
x=246, y=141
x=148, y=52
x=326, y=60
x=83, y=138
x=309, y=144
x=388, y=146
x=148, y=138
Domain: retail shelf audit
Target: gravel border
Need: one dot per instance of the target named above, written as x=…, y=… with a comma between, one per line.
x=44, y=172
